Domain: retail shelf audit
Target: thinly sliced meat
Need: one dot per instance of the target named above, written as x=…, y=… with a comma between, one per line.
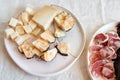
x=95, y=57
x=108, y=70
x=108, y=53
x=114, y=43
x=98, y=71
x=95, y=48
x=112, y=34
x=101, y=39
x=97, y=66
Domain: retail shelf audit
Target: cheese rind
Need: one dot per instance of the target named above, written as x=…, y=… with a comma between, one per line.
x=45, y=16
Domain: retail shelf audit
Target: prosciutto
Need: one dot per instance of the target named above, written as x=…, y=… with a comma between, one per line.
x=103, y=51
x=101, y=38
x=114, y=43
x=108, y=53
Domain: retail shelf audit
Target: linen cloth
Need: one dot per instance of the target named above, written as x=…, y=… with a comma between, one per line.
x=92, y=14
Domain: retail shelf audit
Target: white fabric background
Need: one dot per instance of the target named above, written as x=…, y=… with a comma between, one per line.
x=91, y=13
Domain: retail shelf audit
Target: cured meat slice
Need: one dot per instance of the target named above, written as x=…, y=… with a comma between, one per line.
x=98, y=71
x=108, y=52
x=95, y=57
x=95, y=48
x=108, y=70
x=112, y=34
x=101, y=39
x=114, y=43
x=96, y=68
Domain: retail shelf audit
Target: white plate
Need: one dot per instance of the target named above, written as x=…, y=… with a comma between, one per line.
x=75, y=37
x=103, y=29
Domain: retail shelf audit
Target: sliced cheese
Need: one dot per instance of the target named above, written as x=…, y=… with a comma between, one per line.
x=45, y=16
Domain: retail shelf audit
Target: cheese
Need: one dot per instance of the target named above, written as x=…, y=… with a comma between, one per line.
x=13, y=22
x=14, y=35
x=32, y=24
x=8, y=32
x=27, y=29
x=20, y=39
x=49, y=55
x=37, y=52
x=20, y=30
x=58, y=31
x=29, y=9
x=36, y=31
x=45, y=16
x=40, y=44
x=25, y=17
x=48, y=36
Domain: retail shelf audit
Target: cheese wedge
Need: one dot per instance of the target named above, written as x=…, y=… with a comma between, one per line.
x=45, y=16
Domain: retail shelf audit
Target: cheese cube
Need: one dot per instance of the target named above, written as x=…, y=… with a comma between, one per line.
x=37, y=52
x=20, y=39
x=40, y=44
x=13, y=22
x=25, y=17
x=36, y=31
x=19, y=22
x=20, y=30
x=48, y=36
x=13, y=35
x=45, y=16
x=27, y=29
x=8, y=32
x=33, y=25
x=29, y=9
